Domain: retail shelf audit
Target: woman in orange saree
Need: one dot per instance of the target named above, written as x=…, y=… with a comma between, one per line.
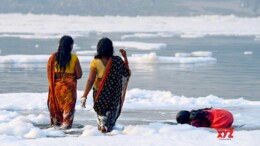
x=63, y=70
x=107, y=73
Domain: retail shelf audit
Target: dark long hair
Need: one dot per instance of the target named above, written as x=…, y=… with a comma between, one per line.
x=201, y=115
x=63, y=55
x=104, y=48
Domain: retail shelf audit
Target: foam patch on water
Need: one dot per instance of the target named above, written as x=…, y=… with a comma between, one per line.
x=138, y=98
x=91, y=131
x=191, y=36
x=35, y=133
x=248, y=53
x=146, y=135
x=195, y=54
x=201, y=54
x=257, y=38
x=91, y=53
x=139, y=45
x=41, y=35
x=15, y=127
x=135, y=99
x=23, y=59
x=153, y=58
x=135, y=58
x=36, y=46
x=15, y=124
x=7, y=115
x=163, y=134
x=182, y=54
x=244, y=111
x=147, y=35
x=33, y=26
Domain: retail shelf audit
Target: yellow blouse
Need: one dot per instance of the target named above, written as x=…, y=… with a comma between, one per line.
x=98, y=66
x=70, y=68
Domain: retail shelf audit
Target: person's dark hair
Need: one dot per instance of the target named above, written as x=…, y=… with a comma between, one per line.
x=201, y=115
x=104, y=48
x=183, y=117
x=63, y=55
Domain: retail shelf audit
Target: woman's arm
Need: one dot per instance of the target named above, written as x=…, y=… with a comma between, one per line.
x=78, y=70
x=123, y=52
x=90, y=82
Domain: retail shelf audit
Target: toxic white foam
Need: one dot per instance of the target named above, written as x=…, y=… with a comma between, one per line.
x=139, y=45
x=244, y=111
x=147, y=35
x=248, y=53
x=257, y=38
x=191, y=36
x=153, y=58
x=15, y=124
x=135, y=99
x=135, y=58
x=22, y=59
x=20, y=131
x=14, y=127
x=202, y=54
x=90, y=53
x=195, y=54
x=42, y=25
x=41, y=36
x=182, y=54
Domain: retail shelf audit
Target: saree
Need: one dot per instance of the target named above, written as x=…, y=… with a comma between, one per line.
x=218, y=118
x=109, y=97
x=61, y=96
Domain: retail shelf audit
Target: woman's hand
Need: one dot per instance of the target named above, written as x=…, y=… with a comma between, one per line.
x=123, y=52
x=89, y=84
x=83, y=102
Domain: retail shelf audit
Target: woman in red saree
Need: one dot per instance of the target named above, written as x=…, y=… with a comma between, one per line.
x=107, y=74
x=63, y=70
x=208, y=117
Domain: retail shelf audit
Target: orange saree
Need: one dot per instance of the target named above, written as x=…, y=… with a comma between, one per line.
x=61, y=97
